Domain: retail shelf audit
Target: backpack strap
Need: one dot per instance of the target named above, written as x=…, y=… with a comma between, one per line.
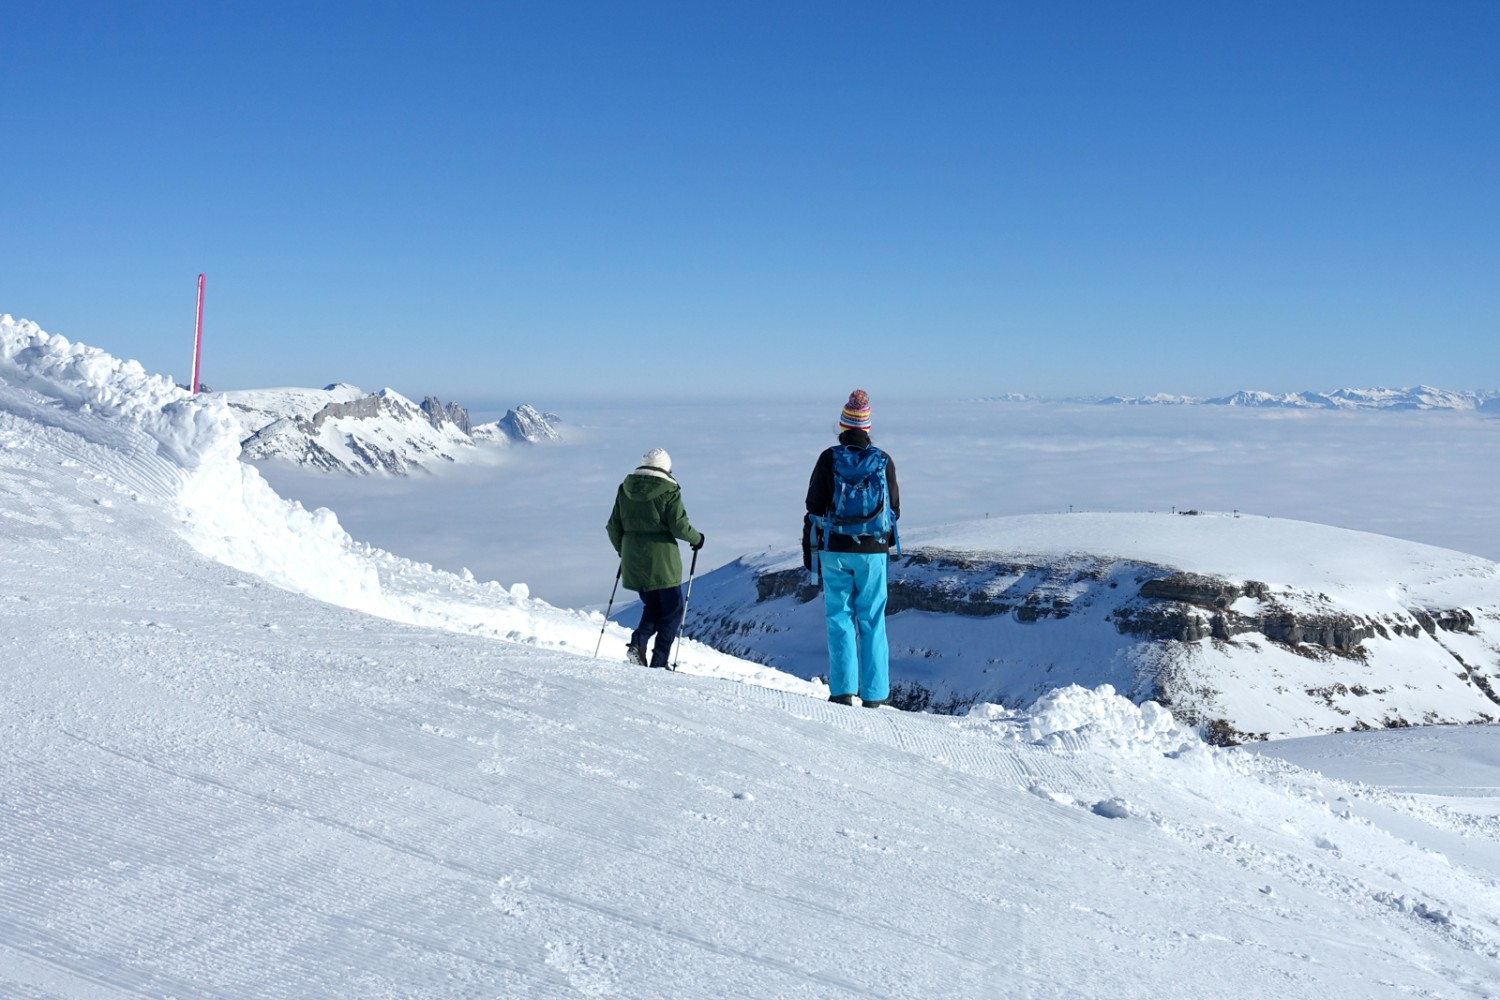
x=885, y=491
x=879, y=508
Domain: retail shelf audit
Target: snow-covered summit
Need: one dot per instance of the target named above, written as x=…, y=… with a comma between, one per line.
x=524, y=423
x=1155, y=399
x=341, y=428
x=254, y=408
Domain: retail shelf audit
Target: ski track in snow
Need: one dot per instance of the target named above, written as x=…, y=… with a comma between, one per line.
x=213, y=787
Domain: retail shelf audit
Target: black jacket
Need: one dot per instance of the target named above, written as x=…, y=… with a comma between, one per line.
x=820, y=498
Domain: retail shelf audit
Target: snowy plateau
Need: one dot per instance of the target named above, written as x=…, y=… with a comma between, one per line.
x=342, y=428
x=1250, y=627
x=243, y=755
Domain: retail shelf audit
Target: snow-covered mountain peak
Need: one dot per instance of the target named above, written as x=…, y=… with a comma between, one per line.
x=342, y=429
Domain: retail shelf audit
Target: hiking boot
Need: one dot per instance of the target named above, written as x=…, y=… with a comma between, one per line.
x=842, y=699
x=874, y=704
x=635, y=654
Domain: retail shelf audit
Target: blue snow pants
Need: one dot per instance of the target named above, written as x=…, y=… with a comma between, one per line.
x=854, y=604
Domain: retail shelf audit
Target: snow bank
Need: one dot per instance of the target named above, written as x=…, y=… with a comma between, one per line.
x=236, y=518
x=190, y=431
x=1099, y=716
x=231, y=514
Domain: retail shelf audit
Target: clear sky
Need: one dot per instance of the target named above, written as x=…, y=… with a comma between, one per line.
x=532, y=199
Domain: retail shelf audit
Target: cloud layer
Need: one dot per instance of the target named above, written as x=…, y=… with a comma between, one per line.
x=538, y=516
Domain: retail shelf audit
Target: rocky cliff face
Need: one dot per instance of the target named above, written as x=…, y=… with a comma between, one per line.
x=438, y=414
x=1187, y=607
x=1245, y=659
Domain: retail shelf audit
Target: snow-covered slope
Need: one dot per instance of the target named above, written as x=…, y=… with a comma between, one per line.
x=213, y=786
x=170, y=449
x=342, y=429
x=1256, y=627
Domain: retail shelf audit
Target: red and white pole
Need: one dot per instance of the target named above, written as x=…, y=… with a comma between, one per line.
x=198, y=336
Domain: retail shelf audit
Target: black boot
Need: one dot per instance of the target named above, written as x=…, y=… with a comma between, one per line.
x=636, y=654
x=842, y=699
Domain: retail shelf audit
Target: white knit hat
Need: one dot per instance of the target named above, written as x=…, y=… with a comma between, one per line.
x=657, y=458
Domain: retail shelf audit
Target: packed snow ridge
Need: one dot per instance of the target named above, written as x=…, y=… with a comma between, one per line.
x=341, y=428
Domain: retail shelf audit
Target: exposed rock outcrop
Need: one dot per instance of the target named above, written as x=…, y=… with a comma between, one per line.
x=438, y=414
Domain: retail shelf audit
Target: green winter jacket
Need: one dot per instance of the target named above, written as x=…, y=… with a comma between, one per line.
x=644, y=527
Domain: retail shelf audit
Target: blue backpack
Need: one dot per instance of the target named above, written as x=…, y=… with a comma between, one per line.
x=860, y=496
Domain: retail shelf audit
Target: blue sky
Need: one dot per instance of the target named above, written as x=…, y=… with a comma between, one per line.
x=559, y=199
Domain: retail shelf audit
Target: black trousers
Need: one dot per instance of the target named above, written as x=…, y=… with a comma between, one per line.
x=661, y=616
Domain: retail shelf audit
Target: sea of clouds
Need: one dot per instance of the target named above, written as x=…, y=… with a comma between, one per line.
x=537, y=515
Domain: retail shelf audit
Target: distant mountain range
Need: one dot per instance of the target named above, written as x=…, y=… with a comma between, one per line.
x=1421, y=397
x=341, y=428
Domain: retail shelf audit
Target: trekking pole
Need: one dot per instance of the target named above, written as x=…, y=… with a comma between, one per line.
x=608, y=610
x=686, y=597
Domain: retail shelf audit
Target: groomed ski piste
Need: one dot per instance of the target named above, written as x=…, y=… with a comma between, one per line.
x=244, y=756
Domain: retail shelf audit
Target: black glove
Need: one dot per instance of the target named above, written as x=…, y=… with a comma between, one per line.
x=701, y=539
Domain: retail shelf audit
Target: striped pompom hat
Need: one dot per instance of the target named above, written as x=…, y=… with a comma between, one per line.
x=856, y=415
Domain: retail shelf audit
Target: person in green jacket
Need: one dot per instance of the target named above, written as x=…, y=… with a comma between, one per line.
x=644, y=527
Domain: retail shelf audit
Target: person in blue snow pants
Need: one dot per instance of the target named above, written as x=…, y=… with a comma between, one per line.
x=854, y=605
x=853, y=572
